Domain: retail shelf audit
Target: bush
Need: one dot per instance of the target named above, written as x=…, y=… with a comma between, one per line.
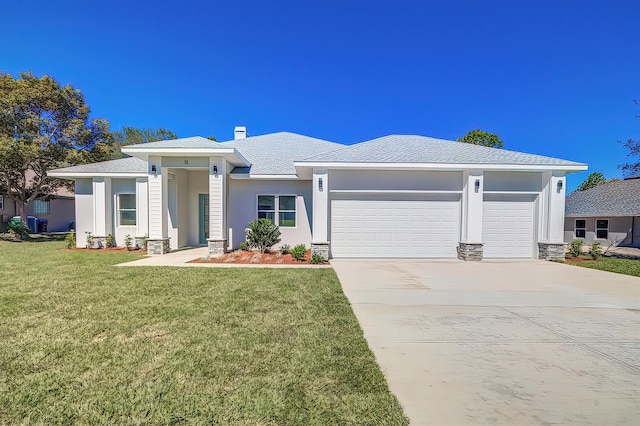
x=111, y=241
x=596, y=250
x=575, y=248
x=128, y=241
x=262, y=234
x=70, y=239
x=317, y=258
x=244, y=246
x=18, y=230
x=285, y=248
x=145, y=240
x=298, y=252
x=89, y=239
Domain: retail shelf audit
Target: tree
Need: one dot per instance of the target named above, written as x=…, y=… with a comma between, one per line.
x=43, y=126
x=129, y=135
x=593, y=180
x=479, y=137
x=632, y=169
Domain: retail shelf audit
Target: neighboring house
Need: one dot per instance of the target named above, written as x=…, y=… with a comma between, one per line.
x=59, y=211
x=396, y=196
x=608, y=213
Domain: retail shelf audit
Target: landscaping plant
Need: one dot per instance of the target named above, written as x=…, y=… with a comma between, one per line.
x=596, y=251
x=285, y=249
x=111, y=241
x=316, y=259
x=299, y=251
x=70, y=239
x=89, y=240
x=574, y=249
x=128, y=241
x=244, y=246
x=262, y=234
x=18, y=230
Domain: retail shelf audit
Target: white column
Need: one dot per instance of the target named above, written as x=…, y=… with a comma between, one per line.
x=102, y=207
x=157, y=192
x=217, y=199
x=557, y=191
x=320, y=206
x=472, y=195
x=142, y=207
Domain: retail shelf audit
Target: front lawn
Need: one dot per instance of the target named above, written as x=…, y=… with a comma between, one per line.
x=612, y=264
x=82, y=341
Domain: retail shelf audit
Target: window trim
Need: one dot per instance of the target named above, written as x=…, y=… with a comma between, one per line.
x=601, y=229
x=576, y=228
x=1, y=202
x=276, y=211
x=119, y=210
x=41, y=203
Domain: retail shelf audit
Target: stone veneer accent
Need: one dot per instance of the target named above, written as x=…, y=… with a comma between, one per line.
x=160, y=246
x=320, y=248
x=470, y=251
x=217, y=247
x=99, y=242
x=551, y=251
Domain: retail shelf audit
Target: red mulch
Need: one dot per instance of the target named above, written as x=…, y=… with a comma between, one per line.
x=104, y=249
x=253, y=257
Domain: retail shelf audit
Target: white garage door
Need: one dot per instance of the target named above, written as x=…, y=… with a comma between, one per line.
x=508, y=226
x=395, y=227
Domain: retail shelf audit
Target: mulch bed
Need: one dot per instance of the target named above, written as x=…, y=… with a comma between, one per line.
x=104, y=249
x=579, y=259
x=240, y=257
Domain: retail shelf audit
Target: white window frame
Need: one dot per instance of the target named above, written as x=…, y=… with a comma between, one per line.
x=118, y=209
x=602, y=229
x=43, y=203
x=583, y=228
x=277, y=211
x=1, y=202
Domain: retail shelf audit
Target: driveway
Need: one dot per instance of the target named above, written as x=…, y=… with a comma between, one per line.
x=501, y=342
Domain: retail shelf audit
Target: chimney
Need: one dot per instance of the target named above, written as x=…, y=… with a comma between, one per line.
x=240, y=132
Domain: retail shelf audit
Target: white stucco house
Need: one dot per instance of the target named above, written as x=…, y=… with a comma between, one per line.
x=396, y=196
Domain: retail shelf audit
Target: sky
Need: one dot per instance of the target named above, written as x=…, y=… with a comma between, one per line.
x=556, y=78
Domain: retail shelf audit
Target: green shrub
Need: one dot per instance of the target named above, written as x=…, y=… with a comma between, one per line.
x=128, y=241
x=145, y=240
x=596, y=250
x=298, y=252
x=70, y=239
x=316, y=258
x=89, y=240
x=262, y=234
x=18, y=230
x=111, y=241
x=285, y=248
x=244, y=246
x=575, y=248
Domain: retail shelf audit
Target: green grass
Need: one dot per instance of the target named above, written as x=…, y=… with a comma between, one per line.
x=611, y=264
x=82, y=341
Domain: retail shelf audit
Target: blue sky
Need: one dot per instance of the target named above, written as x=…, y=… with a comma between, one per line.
x=556, y=78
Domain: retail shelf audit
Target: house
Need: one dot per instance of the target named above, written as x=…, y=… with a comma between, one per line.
x=59, y=211
x=396, y=196
x=608, y=213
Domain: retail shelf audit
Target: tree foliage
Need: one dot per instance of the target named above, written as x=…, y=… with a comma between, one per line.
x=593, y=180
x=633, y=145
x=479, y=137
x=129, y=135
x=43, y=125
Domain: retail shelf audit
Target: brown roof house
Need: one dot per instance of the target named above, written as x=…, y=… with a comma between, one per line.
x=608, y=213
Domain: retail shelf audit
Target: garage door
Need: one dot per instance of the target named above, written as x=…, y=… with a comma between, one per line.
x=401, y=227
x=508, y=226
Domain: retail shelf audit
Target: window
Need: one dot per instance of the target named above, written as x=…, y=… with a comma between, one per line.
x=280, y=209
x=127, y=209
x=1, y=202
x=580, y=228
x=41, y=207
x=602, y=229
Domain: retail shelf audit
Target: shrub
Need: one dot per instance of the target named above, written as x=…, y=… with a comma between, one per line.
x=111, y=241
x=18, y=230
x=285, y=248
x=128, y=241
x=89, y=240
x=70, y=239
x=317, y=258
x=298, y=252
x=575, y=248
x=145, y=240
x=262, y=234
x=596, y=250
x=244, y=246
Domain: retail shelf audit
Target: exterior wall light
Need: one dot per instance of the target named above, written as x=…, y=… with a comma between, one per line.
x=215, y=170
x=559, y=186
x=477, y=185
x=154, y=170
x=320, y=184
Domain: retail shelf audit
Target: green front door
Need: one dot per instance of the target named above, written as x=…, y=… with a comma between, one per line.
x=204, y=217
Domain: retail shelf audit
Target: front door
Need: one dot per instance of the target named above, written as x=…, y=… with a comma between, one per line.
x=204, y=217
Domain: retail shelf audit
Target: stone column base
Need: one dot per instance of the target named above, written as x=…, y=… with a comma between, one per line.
x=217, y=247
x=320, y=248
x=551, y=251
x=158, y=246
x=470, y=251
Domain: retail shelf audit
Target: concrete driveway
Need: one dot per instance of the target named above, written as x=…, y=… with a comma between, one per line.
x=501, y=342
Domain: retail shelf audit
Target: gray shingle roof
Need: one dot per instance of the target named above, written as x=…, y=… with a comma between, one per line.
x=421, y=149
x=123, y=165
x=193, y=142
x=617, y=198
x=274, y=154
